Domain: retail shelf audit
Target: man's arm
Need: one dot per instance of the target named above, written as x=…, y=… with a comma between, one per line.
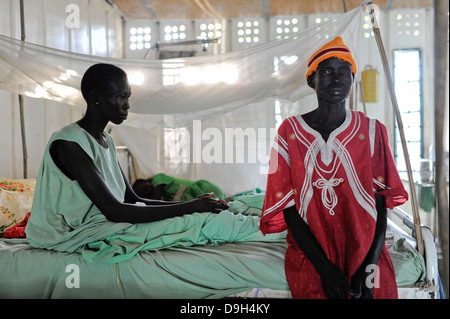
x=334, y=281
x=77, y=165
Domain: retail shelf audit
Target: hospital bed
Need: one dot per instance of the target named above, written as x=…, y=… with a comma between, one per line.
x=232, y=270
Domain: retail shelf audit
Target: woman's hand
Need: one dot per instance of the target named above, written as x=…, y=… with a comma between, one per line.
x=335, y=283
x=205, y=203
x=359, y=284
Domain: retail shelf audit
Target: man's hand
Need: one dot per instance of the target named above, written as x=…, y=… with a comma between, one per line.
x=205, y=203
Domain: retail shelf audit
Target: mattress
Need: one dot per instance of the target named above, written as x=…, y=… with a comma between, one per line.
x=182, y=273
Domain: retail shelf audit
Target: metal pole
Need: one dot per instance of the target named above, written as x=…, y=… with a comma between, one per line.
x=390, y=84
x=21, y=110
x=440, y=67
x=363, y=98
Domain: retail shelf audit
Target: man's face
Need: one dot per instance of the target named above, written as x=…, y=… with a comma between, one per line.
x=333, y=80
x=114, y=103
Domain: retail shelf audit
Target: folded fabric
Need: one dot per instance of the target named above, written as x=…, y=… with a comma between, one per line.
x=240, y=223
x=205, y=229
x=18, y=230
x=255, y=191
x=427, y=198
x=182, y=189
x=409, y=265
x=247, y=204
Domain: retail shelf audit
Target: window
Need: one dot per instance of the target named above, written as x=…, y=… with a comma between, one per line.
x=176, y=145
x=140, y=38
x=408, y=24
x=367, y=27
x=321, y=22
x=408, y=88
x=171, y=71
x=174, y=32
x=175, y=72
x=278, y=117
x=248, y=31
x=210, y=30
x=287, y=26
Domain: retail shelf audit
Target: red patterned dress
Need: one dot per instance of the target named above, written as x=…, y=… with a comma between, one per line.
x=332, y=186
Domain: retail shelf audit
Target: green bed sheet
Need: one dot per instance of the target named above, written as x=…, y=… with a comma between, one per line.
x=202, y=255
x=240, y=223
x=195, y=256
x=179, y=272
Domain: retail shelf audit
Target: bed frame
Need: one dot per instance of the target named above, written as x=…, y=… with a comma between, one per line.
x=18, y=258
x=430, y=288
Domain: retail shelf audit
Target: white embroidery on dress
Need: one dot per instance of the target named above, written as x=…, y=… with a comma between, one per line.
x=280, y=203
x=329, y=197
x=372, y=129
x=277, y=147
x=381, y=185
x=341, y=156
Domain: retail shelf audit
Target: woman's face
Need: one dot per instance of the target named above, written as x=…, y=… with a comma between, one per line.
x=113, y=102
x=333, y=80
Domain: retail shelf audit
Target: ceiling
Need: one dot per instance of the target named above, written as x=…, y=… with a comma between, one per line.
x=225, y=9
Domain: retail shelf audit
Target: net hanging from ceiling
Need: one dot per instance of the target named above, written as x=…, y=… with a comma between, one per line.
x=173, y=92
x=179, y=107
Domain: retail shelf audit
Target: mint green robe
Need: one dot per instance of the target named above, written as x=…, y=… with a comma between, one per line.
x=63, y=218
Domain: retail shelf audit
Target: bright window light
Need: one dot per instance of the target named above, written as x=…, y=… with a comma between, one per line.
x=174, y=32
x=408, y=88
x=286, y=27
x=140, y=38
x=210, y=30
x=247, y=31
x=136, y=78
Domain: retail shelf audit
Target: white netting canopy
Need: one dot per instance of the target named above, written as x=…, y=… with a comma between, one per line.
x=179, y=104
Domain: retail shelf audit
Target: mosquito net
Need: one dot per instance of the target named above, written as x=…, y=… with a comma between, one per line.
x=206, y=117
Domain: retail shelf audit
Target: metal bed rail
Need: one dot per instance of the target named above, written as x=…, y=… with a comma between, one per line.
x=431, y=285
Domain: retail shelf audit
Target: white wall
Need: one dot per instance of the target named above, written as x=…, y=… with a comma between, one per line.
x=100, y=33
x=369, y=54
x=393, y=35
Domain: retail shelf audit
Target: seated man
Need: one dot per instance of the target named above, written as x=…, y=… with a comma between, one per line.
x=81, y=194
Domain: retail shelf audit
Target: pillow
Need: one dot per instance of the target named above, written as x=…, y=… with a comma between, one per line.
x=16, y=198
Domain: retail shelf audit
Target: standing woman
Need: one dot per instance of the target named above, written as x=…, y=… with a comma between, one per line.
x=333, y=178
x=81, y=193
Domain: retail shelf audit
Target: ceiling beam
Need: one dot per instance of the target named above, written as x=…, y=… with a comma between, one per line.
x=149, y=9
x=389, y=4
x=265, y=8
x=190, y=9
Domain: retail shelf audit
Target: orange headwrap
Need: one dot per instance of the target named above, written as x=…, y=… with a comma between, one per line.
x=335, y=48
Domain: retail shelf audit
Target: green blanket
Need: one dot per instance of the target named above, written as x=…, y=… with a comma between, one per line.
x=238, y=224
x=183, y=189
x=409, y=265
x=179, y=272
x=204, y=229
x=251, y=204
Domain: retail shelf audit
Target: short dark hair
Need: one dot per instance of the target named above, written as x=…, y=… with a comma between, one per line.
x=97, y=77
x=143, y=188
